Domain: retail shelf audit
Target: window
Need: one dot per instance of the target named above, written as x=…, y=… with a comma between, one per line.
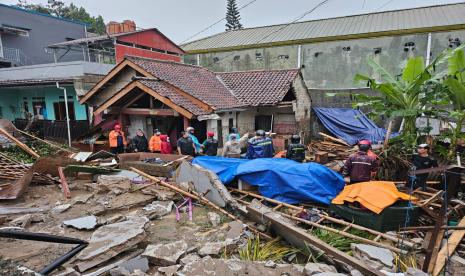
x=409, y=46
x=216, y=60
x=317, y=54
x=263, y=122
x=283, y=57
x=237, y=58
x=258, y=56
x=60, y=110
x=377, y=50
x=346, y=49
x=454, y=42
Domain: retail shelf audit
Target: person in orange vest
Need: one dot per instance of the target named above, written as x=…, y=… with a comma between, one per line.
x=117, y=140
x=155, y=142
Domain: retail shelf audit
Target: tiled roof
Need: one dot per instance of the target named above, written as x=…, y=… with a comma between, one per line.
x=398, y=21
x=255, y=88
x=199, y=82
x=167, y=91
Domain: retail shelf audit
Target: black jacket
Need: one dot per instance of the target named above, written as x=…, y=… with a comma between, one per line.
x=296, y=152
x=140, y=143
x=210, y=147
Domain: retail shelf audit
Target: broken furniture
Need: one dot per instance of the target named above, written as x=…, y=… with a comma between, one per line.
x=135, y=160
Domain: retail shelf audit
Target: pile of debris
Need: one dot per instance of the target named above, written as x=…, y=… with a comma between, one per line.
x=330, y=151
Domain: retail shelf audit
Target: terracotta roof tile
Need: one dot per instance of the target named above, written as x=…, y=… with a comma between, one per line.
x=167, y=91
x=197, y=81
x=255, y=88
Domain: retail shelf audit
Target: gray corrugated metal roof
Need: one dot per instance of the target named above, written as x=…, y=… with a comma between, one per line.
x=388, y=21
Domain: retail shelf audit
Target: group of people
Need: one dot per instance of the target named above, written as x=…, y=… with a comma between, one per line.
x=158, y=143
x=259, y=146
x=363, y=165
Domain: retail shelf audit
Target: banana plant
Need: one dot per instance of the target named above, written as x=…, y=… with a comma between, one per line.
x=402, y=96
x=407, y=96
x=455, y=83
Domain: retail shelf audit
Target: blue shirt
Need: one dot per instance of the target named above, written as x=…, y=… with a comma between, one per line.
x=198, y=146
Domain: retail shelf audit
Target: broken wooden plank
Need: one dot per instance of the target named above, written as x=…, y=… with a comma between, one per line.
x=64, y=183
x=19, y=143
x=340, y=141
x=300, y=238
x=200, y=198
x=449, y=248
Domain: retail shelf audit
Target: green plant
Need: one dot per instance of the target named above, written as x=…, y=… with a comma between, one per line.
x=273, y=250
x=455, y=83
x=335, y=240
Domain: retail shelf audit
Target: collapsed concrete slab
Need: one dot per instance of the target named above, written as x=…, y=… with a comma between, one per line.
x=83, y=223
x=230, y=267
x=376, y=257
x=165, y=254
x=205, y=182
x=316, y=268
x=111, y=240
x=217, y=248
x=169, y=270
x=158, y=209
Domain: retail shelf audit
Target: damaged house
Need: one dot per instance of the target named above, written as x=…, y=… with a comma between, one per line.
x=152, y=94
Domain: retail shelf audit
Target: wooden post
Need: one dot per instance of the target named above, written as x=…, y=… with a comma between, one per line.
x=19, y=143
x=185, y=122
x=388, y=134
x=449, y=249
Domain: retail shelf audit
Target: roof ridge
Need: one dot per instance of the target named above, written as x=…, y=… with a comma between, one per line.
x=323, y=19
x=169, y=61
x=258, y=70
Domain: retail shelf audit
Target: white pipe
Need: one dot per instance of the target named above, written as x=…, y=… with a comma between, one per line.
x=428, y=50
x=299, y=56
x=67, y=112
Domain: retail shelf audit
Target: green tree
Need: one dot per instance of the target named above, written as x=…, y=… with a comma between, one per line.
x=71, y=11
x=232, y=16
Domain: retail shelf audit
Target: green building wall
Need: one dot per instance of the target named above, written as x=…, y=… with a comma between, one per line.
x=12, y=100
x=331, y=64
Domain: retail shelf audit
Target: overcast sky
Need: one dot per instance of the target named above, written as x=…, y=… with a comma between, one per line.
x=180, y=19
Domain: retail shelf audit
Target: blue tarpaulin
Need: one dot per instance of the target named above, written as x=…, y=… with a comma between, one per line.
x=350, y=125
x=278, y=178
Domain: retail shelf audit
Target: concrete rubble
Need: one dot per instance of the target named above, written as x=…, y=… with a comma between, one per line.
x=379, y=258
x=60, y=208
x=214, y=218
x=110, y=240
x=165, y=254
x=158, y=209
x=316, y=268
x=83, y=223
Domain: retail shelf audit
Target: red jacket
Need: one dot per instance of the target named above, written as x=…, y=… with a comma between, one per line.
x=359, y=167
x=165, y=146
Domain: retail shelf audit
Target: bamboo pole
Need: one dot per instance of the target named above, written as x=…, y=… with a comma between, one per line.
x=19, y=143
x=198, y=197
x=338, y=221
x=388, y=135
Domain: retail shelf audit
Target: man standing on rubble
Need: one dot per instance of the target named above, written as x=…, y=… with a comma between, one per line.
x=361, y=166
x=421, y=161
x=260, y=146
x=186, y=145
x=117, y=140
x=198, y=146
x=295, y=150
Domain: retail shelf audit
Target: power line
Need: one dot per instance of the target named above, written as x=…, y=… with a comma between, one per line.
x=216, y=22
x=279, y=29
x=384, y=5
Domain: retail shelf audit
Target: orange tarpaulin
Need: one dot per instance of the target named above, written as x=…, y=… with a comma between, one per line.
x=374, y=195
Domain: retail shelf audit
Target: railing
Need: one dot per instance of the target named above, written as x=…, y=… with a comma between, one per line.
x=11, y=54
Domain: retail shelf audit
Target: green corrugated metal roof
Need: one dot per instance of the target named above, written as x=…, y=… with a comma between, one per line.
x=374, y=23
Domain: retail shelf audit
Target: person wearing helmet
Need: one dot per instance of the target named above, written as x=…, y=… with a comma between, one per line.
x=295, y=150
x=361, y=166
x=421, y=161
x=260, y=146
x=198, y=146
x=210, y=145
x=117, y=140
